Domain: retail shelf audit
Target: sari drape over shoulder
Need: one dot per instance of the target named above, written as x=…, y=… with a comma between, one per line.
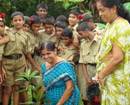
x=54, y=83
x=117, y=84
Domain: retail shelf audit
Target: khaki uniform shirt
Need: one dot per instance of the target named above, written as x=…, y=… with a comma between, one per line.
x=1, y=49
x=74, y=29
x=89, y=50
x=68, y=54
x=33, y=41
x=18, y=42
x=43, y=36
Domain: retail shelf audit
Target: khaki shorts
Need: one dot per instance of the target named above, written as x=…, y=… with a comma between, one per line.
x=82, y=84
x=13, y=69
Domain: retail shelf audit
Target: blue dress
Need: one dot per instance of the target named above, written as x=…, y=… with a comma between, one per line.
x=54, y=83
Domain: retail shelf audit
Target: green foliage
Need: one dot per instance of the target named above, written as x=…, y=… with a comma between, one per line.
x=100, y=25
x=127, y=6
x=39, y=97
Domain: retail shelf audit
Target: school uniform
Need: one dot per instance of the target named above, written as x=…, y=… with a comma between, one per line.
x=68, y=54
x=14, y=59
x=88, y=52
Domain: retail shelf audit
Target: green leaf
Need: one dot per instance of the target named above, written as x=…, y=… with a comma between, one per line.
x=76, y=1
x=29, y=103
x=100, y=25
x=39, y=94
x=127, y=6
x=22, y=90
x=34, y=96
x=20, y=79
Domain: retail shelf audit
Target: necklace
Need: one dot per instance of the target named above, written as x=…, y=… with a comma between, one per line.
x=114, y=20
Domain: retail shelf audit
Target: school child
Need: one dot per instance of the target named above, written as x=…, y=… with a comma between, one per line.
x=88, y=18
x=89, y=48
x=62, y=18
x=59, y=26
x=49, y=33
x=14, y=59
x=2, y=34
x=68, y=48
x=42, y=11
x=26, y=26
x=73, y=24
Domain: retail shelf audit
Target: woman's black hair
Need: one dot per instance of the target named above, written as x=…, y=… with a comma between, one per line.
x=60, y=25
x=49, y=45
x=121, y=11
x=83, y=26
x=67, y=32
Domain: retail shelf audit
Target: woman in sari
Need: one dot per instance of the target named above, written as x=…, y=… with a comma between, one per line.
x=113, y=60
x=58, y=78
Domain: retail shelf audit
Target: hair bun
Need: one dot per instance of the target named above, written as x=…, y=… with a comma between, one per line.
x=2, y=15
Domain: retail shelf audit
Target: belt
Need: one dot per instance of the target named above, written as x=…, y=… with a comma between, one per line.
x=92, y=64
x=14, y=57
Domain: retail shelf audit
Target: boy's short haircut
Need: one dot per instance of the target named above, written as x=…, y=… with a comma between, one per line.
x=49, y=20
x=27, y=21
x=67, y=32
x=83, y=26
x=75, y=12
x=87, y=17
x=60, y=25
x=17, y=13
x=62, y=18
x=44, y=6
x=35, y=19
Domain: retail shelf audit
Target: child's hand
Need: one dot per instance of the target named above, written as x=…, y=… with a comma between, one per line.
x=1, y=80
x=3, y=74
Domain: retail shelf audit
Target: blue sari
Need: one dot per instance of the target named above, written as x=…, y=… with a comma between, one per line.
x=54, y=83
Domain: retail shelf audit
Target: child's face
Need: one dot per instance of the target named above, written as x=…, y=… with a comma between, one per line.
x=35, y=28
x=26, y=27
x=66, y=40
x=73, y=20
x=48, y=28
x=58, y=31
x=83, y=34
x=42, y=12
x=18, y=21
x=2, y=26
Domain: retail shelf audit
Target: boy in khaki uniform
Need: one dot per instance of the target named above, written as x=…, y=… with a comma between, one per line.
x=48, y=34
x=88, y=50
x=14, y=60
x=88, y=18
x=68, y=48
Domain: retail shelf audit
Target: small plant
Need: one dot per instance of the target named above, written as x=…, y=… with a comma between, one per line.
x=39, y=97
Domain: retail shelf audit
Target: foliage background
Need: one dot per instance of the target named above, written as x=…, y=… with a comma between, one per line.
x=56, y=7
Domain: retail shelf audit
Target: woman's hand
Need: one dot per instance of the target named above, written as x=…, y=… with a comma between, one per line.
x=101, y=77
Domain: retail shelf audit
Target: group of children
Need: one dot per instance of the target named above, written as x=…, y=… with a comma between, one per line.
x=20, y=48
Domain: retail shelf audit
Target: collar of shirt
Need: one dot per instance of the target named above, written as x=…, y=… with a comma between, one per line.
x=74, y=28
x=15, y=31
